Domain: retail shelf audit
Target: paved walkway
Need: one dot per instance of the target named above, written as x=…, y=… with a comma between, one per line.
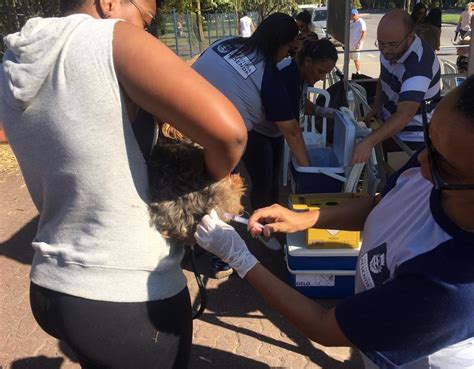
x=237, y=330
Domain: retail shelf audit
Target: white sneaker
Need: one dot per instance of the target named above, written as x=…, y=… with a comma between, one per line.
x=270, y=243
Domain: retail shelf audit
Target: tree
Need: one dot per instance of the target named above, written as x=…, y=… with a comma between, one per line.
x=266, y=7
x=14, y=13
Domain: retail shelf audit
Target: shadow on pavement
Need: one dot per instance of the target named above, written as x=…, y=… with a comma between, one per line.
x=18, y=247
x=39, y=362
x=202, y=358
x=236, y=298
x=205, y=358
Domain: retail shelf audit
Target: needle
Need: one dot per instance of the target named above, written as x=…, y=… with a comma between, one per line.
x=239, y=219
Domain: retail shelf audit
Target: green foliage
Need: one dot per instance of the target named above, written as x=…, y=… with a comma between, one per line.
x=319, y=2
x=266, y=7
x=450, y=18
x=206, y=5
x=14, y=13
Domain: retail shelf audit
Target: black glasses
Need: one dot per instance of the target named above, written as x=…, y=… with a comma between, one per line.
x=390, y=45
x=438, y=181
x=142, y=11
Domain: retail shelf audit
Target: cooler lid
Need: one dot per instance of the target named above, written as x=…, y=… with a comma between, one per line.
x=297, y=247
x=344, y=135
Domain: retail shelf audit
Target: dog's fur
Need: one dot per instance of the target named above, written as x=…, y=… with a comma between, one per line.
x=182, y=191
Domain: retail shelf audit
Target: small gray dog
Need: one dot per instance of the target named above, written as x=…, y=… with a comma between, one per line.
x=183, y=192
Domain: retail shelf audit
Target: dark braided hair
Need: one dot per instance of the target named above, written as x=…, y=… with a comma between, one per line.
x=317, y=50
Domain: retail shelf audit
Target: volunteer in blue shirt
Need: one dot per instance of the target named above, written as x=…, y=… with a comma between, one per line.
x=313, y=60
x=415, y=275
x=244, y=70
x=264, y=153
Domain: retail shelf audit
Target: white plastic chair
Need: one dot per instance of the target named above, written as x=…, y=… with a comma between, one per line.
x=360, y=101
x=448, y=82
x=311, y=136
x=354, y=172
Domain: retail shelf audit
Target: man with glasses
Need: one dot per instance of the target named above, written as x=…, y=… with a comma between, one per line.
x=415, y=277
x=410, y=73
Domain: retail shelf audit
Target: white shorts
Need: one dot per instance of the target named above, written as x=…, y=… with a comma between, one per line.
x=354, y=55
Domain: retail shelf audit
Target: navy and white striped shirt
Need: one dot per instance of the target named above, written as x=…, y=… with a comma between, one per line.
x=413, y=77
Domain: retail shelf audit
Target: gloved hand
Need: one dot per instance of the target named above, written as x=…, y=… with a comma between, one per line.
x=222, y=240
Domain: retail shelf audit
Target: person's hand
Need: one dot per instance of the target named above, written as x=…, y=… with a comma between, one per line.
x=362, y=152
x=221, y=239
x=277, y=218
x=357, y=46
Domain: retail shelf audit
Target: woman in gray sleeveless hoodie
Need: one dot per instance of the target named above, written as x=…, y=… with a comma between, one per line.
x=103, y=279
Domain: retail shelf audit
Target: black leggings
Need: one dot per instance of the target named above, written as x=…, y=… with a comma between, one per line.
x=110, y=335
x=263, y=159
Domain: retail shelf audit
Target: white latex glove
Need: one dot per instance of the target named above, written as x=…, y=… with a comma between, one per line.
x=222, y=240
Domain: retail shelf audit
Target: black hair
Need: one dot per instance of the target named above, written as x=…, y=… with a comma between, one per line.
x=317, y=50
x=465, y=103
x=416, y=10
x=277, y=30
x=70, y=5
x=434, y=17
x=304, y=17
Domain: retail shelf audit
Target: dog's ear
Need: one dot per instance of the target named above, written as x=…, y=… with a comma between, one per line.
x=227, y=196
x=172, y=133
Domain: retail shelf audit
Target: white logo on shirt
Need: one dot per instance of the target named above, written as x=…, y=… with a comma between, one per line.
x=365, y=273
x=241, y=63
x=377, y=263
x=224, y=48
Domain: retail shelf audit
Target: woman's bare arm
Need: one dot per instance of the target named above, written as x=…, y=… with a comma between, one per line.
x=163, y=85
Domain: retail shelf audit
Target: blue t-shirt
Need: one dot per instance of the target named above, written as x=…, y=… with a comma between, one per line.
x=295, y=86
x=414, y=77
x=414, y=282
x=296, y=91
x=249, y=81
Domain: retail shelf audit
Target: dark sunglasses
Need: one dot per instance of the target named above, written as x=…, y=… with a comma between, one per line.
x=439, y=183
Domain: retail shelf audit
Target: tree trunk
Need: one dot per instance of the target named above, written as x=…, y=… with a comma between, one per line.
x=200, y=34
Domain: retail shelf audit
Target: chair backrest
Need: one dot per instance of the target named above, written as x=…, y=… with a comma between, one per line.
x=359, y=104
x=311, y=135
x=448, y=82
x=331, y=78
x=309, y=121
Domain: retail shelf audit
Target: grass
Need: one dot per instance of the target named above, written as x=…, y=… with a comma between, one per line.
x=450, y=18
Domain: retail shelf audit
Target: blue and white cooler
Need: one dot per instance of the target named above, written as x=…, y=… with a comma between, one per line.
x=328, y=164
x=320, y=273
